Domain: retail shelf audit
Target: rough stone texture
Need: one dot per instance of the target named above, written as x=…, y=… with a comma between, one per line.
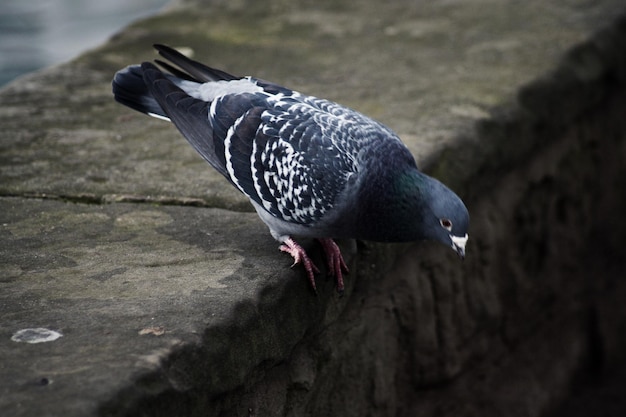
x=172, y=298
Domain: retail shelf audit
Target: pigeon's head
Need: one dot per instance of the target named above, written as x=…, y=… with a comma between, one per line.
x=445, y=217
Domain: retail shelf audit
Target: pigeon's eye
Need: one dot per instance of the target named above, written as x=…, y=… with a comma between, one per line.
x=446, y=224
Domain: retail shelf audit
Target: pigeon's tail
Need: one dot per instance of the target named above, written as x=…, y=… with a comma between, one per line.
x=179, y=97
x=190, y=70
x=130, y=90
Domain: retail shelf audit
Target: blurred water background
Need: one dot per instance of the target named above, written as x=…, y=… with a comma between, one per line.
x=39, y=33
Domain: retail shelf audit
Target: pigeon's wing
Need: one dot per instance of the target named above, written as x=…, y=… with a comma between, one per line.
x=189, y=115
x=285, y=151
x=288, y=156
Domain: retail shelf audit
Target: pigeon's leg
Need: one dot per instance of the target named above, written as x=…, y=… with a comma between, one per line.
x=335, y=262
x=299, y=256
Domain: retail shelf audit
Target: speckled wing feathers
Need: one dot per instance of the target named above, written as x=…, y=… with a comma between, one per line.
x=279, y=153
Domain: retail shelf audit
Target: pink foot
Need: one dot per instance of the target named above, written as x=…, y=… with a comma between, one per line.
x=336, y=265
x=299, y=256
x=335, y=262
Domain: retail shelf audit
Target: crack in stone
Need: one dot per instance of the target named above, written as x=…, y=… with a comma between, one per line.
x=88, y=198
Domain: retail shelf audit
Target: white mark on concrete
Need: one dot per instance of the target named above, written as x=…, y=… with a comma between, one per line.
x=35, y=335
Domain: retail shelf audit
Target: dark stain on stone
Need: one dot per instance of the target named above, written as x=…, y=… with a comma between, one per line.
x=104, y=276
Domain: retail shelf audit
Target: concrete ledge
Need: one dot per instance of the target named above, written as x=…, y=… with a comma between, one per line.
x=172, y=298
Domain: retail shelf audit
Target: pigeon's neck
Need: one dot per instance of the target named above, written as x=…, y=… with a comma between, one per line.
x=394, y=205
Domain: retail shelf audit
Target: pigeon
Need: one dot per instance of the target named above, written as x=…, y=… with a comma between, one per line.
x=311, y=168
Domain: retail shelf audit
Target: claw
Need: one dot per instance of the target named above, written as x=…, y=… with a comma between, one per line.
x=335, y=262
x=299, y=256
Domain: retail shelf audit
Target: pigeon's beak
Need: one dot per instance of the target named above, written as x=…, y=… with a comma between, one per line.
x=458, y=244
